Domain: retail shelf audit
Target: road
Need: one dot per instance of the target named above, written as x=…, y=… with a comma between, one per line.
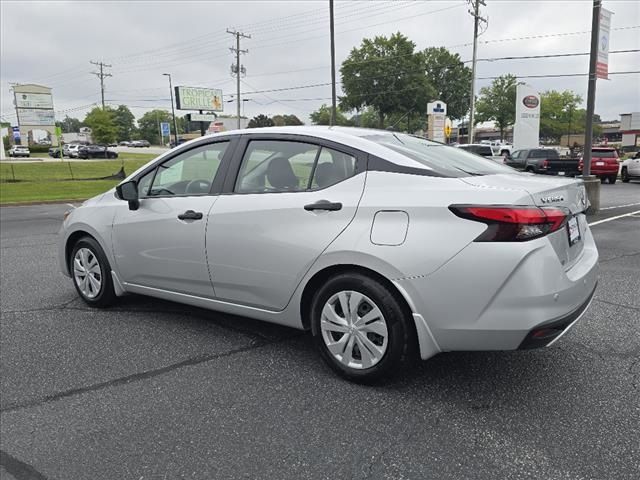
x=154, y=390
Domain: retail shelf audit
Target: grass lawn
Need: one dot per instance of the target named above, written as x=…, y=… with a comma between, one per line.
x=26, y=182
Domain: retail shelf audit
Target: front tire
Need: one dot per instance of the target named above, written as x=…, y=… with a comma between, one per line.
x=361, y=330
x=91, y=273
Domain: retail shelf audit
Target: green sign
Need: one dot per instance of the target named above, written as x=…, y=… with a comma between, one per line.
x=196, y=98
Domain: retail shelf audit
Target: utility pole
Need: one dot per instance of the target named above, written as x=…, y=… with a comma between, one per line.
x=101, y=75
x=476, y=24
x=591, y=92
x=333, y=65
x=591, y=183
x=237, y=68
x=173, y=112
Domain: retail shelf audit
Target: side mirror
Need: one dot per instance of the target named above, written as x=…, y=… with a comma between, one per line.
x=128, y=191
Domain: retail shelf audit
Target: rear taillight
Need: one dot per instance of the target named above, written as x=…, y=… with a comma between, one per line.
x=545, y=164
x=513, y=224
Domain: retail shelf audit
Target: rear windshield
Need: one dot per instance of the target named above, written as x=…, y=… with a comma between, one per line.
x=604, y=154
x=442, y=159
x=547, y=153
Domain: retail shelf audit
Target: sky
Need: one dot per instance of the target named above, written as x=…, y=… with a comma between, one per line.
x=51, y=43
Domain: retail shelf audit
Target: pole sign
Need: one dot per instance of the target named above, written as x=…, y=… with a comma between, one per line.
x=196, y=98
x=437, y=114
x=526, y=131
x=602, y=65
x=202, y=117
x=165, y=130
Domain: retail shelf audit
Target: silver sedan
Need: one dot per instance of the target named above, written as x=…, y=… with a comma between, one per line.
x=385, y=246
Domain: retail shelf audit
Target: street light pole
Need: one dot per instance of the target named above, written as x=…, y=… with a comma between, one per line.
x=333, y=65
x=173, y=112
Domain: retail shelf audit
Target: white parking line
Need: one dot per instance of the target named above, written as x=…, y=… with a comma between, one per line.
x=614, y=218
x=620, y=206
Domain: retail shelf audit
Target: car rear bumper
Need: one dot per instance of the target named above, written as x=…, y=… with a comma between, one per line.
x=491, y=296
x=546, y=334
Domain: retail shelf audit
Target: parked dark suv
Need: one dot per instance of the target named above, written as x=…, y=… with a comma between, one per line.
x=542, y=160
x=96, y=151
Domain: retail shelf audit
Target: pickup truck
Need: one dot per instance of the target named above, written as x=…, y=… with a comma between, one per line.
x=542, y=160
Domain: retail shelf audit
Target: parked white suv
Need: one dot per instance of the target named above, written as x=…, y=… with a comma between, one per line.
x=631, y=168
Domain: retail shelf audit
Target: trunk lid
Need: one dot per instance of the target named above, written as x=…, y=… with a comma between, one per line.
x=544, y=191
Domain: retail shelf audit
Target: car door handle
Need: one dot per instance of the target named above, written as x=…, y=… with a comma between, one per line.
x=190, y=215
x=324, y=205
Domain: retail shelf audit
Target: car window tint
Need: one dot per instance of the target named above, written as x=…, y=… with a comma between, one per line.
x=276, y=166
x=189, y=173
x=604, y=154
x=332, y=167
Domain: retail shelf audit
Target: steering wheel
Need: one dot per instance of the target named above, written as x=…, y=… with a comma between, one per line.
x=198, y=186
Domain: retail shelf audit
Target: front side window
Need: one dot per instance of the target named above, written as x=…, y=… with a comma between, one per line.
x=189, y=173
x=286, y=166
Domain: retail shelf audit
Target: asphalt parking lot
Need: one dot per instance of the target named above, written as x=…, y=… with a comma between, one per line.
x=156, y=390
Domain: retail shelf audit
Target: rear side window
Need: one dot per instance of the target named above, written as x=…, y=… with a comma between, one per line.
x=272, y=166
x=548, y=153
x=444, y=160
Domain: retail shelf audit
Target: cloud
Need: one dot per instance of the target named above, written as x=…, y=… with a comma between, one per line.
x=52, y=43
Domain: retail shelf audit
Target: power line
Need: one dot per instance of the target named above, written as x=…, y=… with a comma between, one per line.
x=101, y=75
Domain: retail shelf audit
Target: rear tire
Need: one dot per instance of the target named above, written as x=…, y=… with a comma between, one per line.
x=91, y=273
x=602, y=179
x=625, y=175
x=613, y=179
x=360, y=328
x=530, y=170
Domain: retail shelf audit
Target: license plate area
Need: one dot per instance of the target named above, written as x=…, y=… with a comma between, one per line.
x=600, y=164
x=573, y=231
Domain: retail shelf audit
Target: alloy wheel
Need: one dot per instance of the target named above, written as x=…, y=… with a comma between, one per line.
x=354, y=329
x=87, y=273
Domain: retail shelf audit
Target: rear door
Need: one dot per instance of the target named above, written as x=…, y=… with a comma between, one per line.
x=285, y=200
x=517, y=159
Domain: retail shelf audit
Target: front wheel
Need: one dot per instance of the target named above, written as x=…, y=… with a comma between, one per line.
x=625, y=175
x=360, y=328
x=91, y=273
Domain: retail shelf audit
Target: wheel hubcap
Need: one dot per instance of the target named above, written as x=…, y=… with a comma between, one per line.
x=87, y=272
x=354, y=329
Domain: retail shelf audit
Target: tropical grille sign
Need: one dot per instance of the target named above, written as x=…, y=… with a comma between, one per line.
x=196, y=98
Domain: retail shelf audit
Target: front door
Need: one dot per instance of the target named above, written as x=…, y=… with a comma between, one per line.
x=290, y=200
x=162, y=244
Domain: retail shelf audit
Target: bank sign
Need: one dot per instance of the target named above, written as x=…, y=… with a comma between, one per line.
x=196, y=98
x=34, y=100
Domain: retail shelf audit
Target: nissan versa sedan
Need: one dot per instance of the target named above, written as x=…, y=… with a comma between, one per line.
x=384, y=246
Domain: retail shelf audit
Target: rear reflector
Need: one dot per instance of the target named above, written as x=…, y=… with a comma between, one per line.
x=515, y=223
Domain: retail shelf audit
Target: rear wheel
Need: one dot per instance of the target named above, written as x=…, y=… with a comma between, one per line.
x=529, y=169
x=612, y=179
x=91, y=273
x=360, y=328
x=625, y=175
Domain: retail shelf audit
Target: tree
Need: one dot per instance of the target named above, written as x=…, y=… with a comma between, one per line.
x=149, y=125
x=281, y=120
x=125, y=122
x=497, y=103
x=386, y=74
x=450, y=78
x=260, y=121
x=70, y=125
x=322, y=116
x=103, y=128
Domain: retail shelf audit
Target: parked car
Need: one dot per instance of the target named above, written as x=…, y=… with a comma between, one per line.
x=19, y=151
x=484, y=150
x=96, y=151
x=542, y=160
x=124, y=143
x=72, y=151
x=604, y=164
x=173, y=143
x=334, y=254
x=139, y=143
x=54, y=152
x=631, y=168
